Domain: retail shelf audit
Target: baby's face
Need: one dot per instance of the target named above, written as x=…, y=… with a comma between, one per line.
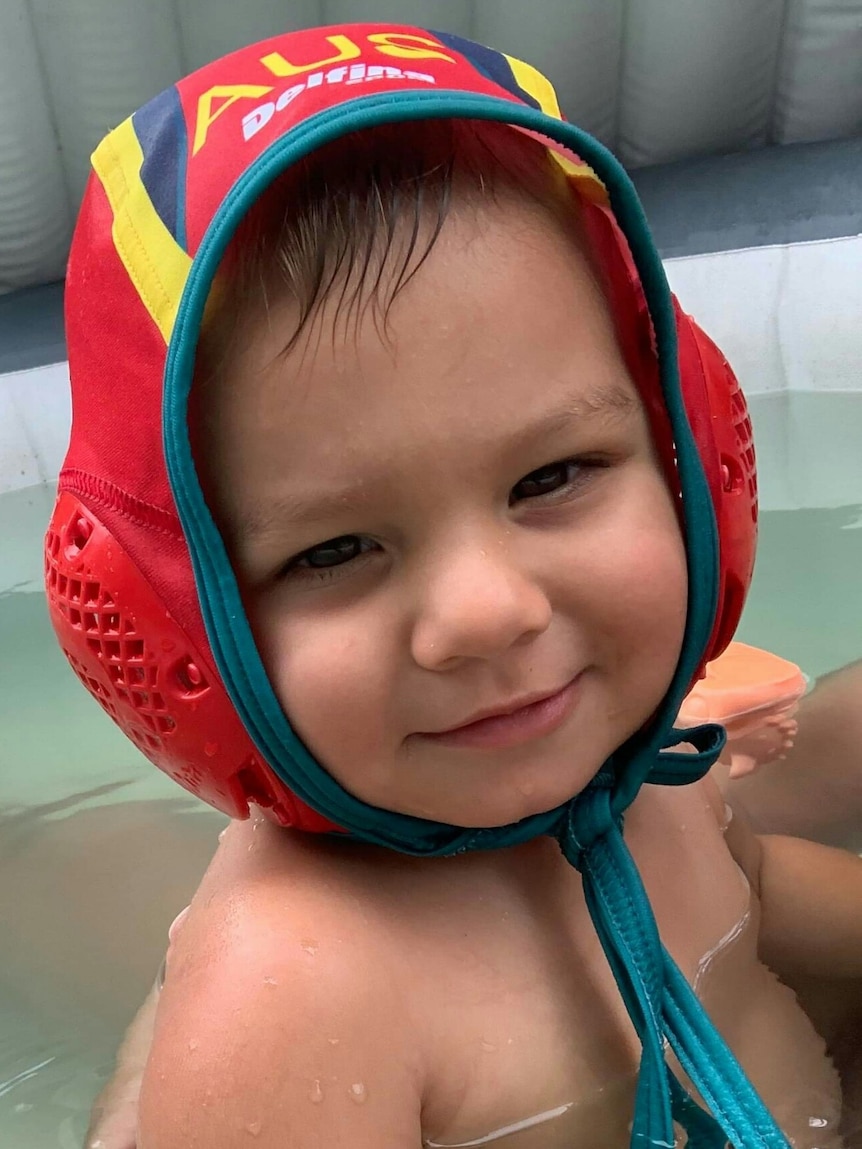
x=455, y=544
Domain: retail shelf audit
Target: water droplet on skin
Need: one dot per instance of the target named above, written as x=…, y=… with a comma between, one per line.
x=358, y=1093
x=193, y=1044
x=316, y=1095
x=222, y=834
x=817, y=1122
x=270, y=981
x=254, y=1128
x=309, y=946
x=333, y=1040
x=488, y=1046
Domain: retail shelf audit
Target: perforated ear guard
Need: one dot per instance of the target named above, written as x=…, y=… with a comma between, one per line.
x=147, y=674
x=162, y=690
x=720, y=422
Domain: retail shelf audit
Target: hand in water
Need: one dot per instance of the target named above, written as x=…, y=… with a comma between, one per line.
x=754, y=695
x=114, y=1117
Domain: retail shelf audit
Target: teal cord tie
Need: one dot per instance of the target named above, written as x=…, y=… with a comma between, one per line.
x=675, y=768
x=661, y=1003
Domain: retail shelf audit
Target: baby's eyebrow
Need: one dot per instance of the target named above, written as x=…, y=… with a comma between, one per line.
x=608, y=399
x=264, y=518
x=607, y=402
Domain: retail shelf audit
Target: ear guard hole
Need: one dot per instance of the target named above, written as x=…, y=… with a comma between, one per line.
x=77, y=535
x=189, y=679
x=732, y=477
x=253, y=787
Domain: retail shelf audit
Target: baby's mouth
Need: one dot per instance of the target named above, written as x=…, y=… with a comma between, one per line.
x=511, y=723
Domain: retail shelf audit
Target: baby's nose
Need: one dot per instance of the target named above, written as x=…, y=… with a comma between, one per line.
x=477, y=604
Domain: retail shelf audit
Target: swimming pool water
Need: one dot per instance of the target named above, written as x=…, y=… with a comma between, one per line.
x=98, y=851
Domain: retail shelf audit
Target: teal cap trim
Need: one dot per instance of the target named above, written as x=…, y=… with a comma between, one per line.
x=589, y=827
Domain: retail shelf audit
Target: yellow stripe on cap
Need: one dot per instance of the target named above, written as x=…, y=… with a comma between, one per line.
x=531, y=81
x=536, y=85
x=155, y=262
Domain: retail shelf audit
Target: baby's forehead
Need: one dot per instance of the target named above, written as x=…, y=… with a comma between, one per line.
x=492, y=356
x=486, y=267
x=512, y=247
x=357, y=219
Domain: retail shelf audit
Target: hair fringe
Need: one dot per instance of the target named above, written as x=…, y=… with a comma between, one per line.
x=356, y=221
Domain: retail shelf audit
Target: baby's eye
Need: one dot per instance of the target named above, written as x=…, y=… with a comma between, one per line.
x=547, y=480
x=333, y=553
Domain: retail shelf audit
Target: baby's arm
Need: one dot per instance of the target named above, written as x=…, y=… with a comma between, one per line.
x=811, y=933
x=810, y=901
x=811, y=936
x=811, y=897
x=114, y=1116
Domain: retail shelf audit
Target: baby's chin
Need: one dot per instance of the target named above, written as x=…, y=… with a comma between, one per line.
x=486, y=789
x=506, y=805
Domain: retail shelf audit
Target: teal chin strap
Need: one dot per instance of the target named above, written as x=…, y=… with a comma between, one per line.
x=663, y=1007
x=660, y=1002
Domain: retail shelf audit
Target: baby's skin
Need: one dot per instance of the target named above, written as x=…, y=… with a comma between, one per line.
x=328, y=994
x=468, y=517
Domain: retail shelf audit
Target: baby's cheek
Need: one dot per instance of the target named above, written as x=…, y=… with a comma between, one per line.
x=661, y=605
x=330, y=681
x=640, y=593
x=660, y=576
x=660, y=586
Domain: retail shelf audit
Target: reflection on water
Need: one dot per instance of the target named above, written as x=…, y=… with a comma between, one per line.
x=45, y=1102
x=85, y=903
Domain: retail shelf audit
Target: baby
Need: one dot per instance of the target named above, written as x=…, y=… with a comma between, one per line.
x=450, y=495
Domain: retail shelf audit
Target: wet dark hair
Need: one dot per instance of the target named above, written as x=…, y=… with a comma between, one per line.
x=357, y=219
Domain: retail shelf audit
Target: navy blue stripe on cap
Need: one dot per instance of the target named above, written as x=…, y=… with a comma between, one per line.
x=491, y=64
x=161, y=130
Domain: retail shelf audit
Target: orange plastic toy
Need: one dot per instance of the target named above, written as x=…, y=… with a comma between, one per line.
x=754, y=695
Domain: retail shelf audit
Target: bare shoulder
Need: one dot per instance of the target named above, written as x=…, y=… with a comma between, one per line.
x=282, y=1014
